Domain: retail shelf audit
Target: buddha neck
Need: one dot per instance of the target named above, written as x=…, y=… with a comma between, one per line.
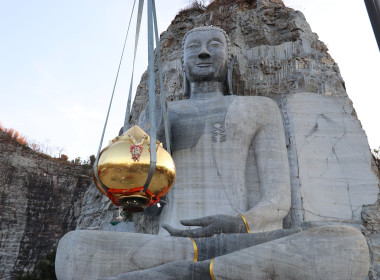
x=206, y=90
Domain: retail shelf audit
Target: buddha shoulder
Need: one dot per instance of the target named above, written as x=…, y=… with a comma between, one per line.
x=256, y=105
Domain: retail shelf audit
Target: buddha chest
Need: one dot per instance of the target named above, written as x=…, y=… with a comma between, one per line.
x=192, y=118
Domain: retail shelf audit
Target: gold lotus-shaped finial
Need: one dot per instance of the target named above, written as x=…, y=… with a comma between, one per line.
x=123, y=168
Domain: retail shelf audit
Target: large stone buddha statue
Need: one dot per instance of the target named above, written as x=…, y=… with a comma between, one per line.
x=229, y=151
x=223, y=218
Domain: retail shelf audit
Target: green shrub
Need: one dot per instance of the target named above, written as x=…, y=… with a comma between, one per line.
x=44, y=269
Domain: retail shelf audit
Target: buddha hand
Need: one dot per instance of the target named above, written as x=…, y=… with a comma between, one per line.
x=209, y=226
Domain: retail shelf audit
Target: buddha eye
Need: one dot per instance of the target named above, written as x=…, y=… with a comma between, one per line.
x=215, y=43
x=192, y=46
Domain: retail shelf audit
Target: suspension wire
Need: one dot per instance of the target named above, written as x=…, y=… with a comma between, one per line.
x=164, y=106
x=109, y=107
x=127, y=112
x=152, y=98
x=152, y=130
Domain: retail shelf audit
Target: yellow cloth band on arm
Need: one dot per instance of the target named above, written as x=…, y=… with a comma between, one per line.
x=211, y=269
x=245, y=222
x=195, y=249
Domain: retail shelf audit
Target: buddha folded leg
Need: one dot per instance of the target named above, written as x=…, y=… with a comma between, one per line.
x=328, y=252
x=93, y=254
x=90, y=254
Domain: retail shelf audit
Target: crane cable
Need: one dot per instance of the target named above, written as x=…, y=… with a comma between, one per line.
x=152, y=21
x=109, y=107
x=164, y=107
x=138, y=25
x=152, y=98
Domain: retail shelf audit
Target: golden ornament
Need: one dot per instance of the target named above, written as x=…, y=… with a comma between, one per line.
x=123, y=168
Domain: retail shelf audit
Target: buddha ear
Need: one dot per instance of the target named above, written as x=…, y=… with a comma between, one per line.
x=186, y=86
x=229, y=76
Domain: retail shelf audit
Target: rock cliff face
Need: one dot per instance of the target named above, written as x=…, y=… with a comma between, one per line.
x=40, y=200
x=276, y=52
x=333, y=176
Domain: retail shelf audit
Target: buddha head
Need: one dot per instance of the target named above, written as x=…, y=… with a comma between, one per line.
x=207, y=57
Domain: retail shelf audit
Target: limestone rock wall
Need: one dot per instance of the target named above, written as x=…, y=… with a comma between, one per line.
x=96, y=211
x=333, y=178
x=277, y=55
x=40, y=200
x=371, y=228
x=276, y=52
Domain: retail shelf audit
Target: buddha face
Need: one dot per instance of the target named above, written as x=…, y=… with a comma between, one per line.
x=205, y=56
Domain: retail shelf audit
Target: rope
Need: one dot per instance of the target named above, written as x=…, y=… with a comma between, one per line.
x=152, y=21
x=109, y=107
x=127, y=112
x=164, y=108
x=152, y=98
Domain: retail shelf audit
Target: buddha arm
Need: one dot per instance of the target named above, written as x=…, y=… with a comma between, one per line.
x=273, y=171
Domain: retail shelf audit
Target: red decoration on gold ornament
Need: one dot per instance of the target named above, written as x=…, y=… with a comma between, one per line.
x=136, y=151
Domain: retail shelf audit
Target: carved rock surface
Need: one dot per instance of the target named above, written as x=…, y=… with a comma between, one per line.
x=96, y=209
x=277, y=55
x=276, y=52
x=305, y=255
x=40, y=200
x=371, y=229
x=333, y=177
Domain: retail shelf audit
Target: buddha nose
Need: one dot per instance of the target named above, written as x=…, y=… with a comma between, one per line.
x=204, y=53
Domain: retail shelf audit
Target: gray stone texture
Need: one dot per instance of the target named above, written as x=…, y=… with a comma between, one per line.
x=222, y=244
x=95, y=206
x=303, y=255
x=90, y=254
x=40, y=200
x=333, y=176
x=211, y=176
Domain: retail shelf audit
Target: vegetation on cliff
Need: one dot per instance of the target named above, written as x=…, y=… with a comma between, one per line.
x=40, y=200
x=44, y=269
x=14, y=137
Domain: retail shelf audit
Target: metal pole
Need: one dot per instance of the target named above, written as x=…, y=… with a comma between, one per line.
x=373, y=9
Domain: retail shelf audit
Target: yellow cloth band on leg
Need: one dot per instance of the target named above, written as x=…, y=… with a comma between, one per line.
x=195, y=249
x=211, y=269
x=245, y=222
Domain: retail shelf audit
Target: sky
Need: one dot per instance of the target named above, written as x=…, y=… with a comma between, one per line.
x=58, y=63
